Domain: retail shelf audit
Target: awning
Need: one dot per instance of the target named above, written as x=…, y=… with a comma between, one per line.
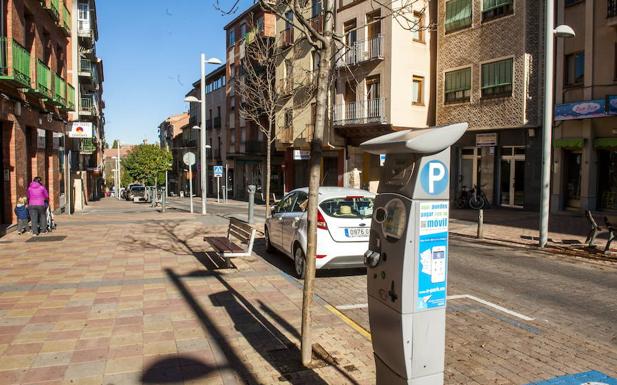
x=605, y=143
x=569, y=143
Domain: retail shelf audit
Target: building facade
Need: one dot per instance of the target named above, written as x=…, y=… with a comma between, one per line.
x=246, y=146
x=36, y=92
x=87, y=153
x=489, y=74
x=383, y=81
x=169, y=131
x=584, y=172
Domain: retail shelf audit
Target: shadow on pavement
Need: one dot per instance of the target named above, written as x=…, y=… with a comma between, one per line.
x=264, y=337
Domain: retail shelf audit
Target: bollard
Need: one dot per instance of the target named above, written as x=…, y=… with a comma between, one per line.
x=251, y=191
x=164, y=200
x=481, y=224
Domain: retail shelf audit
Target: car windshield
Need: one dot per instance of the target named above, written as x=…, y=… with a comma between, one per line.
x=138, y=188
x=348, y=207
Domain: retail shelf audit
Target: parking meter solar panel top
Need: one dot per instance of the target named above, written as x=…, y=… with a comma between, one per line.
x=422, y=140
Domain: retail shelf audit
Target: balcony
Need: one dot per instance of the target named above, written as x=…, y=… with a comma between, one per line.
x=43, y=80
x=85, y=67
x=84, y=29
x=52, y=7
x=19, y=70
x=59, y=98
x=371, y=111
x=86, y=105
x=255, y=147
x=611, y=12
x=287, y=37
x=362, y=51
x=66, y=20
x=70, y=97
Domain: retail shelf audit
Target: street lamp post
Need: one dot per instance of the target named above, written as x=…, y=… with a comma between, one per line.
x=562, y=31
x=203, y=158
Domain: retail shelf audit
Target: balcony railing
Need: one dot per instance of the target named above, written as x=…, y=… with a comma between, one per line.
x=369, y=111
x=361, y=51
x=287, y=37
x=54, y=8
x=70, y=97
x=59, y=90
x=85, y=66
x=66, y=20
x=87, y=104
x=612, y=8
x=83, y=28
x=43, y=79
x=19, y=71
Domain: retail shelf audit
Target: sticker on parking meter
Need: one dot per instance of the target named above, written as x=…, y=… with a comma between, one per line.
x=433, y=255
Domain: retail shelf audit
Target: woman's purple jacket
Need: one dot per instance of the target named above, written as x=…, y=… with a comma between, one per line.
x=37, y=194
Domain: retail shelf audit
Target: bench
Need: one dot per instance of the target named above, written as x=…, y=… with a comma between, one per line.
x=244, y=235
x=597, y=230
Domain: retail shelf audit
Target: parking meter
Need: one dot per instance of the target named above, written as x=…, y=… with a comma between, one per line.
x=408, y=254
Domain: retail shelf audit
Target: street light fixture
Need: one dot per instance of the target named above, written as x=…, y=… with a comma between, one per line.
x=562, y=31
x=203, y=159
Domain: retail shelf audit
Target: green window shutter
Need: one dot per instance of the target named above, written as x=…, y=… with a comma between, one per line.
x=497, y=74
x=459, y=80
x=492, y=4
x=458, y=14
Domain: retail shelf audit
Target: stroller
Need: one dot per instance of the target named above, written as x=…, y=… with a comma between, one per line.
x=51, y=223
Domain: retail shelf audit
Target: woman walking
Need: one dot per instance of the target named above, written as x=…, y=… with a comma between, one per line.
x=37, y=197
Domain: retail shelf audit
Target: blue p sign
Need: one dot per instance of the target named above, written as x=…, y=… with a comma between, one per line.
x=434, y=177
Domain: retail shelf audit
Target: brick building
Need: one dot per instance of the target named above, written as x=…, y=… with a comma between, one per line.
x=36, y=92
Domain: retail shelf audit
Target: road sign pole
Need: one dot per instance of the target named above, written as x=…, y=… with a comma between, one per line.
x=218, y=189
x=191, y=189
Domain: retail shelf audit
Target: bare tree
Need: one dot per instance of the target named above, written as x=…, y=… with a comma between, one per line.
x=328, y=45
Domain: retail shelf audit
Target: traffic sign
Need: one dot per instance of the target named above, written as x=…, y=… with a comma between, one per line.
x=189, y=158
x=218, y=171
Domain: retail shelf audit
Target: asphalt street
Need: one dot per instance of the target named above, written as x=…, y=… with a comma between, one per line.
x=572, y=293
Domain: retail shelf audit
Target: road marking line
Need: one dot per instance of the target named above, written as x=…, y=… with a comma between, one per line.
x=351, y=307
x=350, y=322
x=494, y=306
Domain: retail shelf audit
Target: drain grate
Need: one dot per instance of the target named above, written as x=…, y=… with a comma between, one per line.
x=48, y=238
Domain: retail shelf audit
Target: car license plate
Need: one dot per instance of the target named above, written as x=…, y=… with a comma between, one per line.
x=357, y=232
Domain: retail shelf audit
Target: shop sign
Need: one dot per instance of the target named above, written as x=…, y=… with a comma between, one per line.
x=81, y=130
x=302, y=155
x=486, y=140
x=40, y=138
x=586, y=109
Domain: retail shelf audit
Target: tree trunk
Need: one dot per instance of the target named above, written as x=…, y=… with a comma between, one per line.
x=314, y=176
x=268, y=167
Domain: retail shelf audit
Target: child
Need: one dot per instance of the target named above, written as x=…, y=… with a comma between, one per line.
x=22, y=216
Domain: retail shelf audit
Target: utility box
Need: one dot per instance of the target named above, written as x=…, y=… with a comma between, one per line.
x=408, y=255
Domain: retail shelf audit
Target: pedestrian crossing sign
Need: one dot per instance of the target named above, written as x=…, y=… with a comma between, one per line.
x=218, y=171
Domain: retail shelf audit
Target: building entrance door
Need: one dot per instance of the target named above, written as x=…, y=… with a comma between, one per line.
x=512, y=177
x=572, y=178
x=470, y=168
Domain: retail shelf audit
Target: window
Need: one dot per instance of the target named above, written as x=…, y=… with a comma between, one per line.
x=348, y=207
x=570, y=3
x=458, y=15
x=418, y=27
x=286, y=204
x=575, y=69
x=243, y=30
x=315, y=8
x=289, y=17
x=350, y=32
x=232, y=37
x=458, y=86
x=260, y=24
x=301, y=203
x=493, y=9
x=288, y=118
x=372, y=87
x=497, y=79
x=417, y=91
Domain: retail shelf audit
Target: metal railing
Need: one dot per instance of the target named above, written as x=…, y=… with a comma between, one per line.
x=54, y=7
x=611, y=8
x=360, y=51
x=86, y=104
x=70, y=97
x=85, y=66
x=60, y=90
x=363, y=112
x=83, y=27
x=43, y=79
x=19, y=70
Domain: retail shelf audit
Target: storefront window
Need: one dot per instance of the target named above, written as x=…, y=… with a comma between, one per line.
x=607, y=176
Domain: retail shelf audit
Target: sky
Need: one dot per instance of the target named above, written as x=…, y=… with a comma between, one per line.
x=150, y=51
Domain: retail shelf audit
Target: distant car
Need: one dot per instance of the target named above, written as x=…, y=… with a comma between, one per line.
x=136, y=193
x=343, y=227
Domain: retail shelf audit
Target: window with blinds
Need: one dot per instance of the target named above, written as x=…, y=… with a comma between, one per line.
x=497, y=79
x=458, y=86
x=458, y=15
x=493, y=9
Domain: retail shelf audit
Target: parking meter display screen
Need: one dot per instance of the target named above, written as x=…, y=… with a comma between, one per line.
x=400, y=171
x=396, y=219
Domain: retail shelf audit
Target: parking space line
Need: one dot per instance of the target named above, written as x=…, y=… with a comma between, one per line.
x=352, y=307
x=354, y=325
x=493, y=305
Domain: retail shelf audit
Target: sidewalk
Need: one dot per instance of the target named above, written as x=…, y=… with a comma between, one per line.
x=521, y=227
x=123, y=294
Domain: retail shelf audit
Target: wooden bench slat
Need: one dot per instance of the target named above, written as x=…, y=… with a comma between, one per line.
x=226, y=248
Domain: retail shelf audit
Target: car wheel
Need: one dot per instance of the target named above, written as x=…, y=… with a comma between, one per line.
x=269, y=247
x=299, y=262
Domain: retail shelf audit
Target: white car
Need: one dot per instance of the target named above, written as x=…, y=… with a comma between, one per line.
x=343, y=227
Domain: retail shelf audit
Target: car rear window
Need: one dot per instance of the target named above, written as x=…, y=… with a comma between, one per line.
x=138, y=188
x=348, y=207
